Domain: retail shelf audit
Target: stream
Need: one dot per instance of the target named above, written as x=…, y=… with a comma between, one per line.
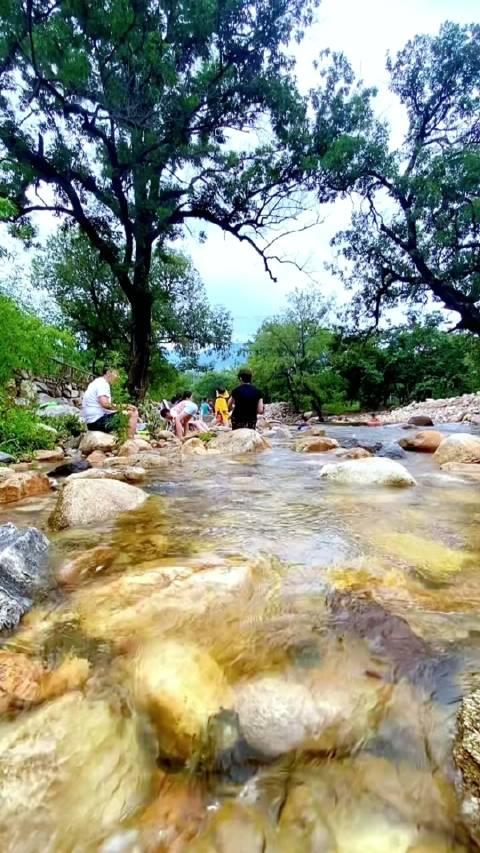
x=258, y=660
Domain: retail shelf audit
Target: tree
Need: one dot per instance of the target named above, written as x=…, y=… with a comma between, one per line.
x=124, y=116
x=95, y=308
x=290, y=355
x=416, y=235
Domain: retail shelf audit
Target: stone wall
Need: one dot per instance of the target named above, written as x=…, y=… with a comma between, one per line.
x=33, y=388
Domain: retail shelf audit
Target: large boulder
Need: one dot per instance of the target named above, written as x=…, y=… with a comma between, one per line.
x=459, y=447
x=368, y=472
x=127, y=474
x=82, y=502
x=420, y=420
x=73, y=769
x=427, y=441
x=16, y=485
x=467, y=759
x=315, y=444
x=180, y=687
x=6, y=458
x=23, y=571
x=238, y=441
x=93, y=440
x=53, y=455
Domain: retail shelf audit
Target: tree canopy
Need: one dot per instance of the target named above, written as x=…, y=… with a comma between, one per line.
x=416, y=235
x=93, y=306
x=124, y=117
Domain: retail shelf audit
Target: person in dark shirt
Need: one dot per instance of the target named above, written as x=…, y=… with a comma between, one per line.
x=245, y=403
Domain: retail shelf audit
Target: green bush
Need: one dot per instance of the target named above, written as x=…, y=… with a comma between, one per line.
x=67, y=426
x=21, y=432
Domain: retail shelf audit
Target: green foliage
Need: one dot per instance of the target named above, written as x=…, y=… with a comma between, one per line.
x=26, y=343
x=291, y=355
x=22, y=432
x=205, y=385
x=67, y=426
x=132, y=112
x=418, y=237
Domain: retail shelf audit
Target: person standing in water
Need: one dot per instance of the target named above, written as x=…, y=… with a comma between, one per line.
x=246, y=403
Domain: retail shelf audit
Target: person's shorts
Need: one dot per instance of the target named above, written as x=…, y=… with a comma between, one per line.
x=244, y=424
x=107, y=423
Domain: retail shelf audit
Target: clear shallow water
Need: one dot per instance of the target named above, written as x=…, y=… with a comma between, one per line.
x=368, y=599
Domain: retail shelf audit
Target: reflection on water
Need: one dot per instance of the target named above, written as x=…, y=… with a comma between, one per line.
x=256, y=659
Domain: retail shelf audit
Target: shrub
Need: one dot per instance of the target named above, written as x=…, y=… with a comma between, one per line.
x=21, y=432
x=67, y=426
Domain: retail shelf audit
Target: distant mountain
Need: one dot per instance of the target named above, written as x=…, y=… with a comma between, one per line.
x=218, y=361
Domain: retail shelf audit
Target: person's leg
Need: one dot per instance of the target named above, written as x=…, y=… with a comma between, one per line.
x=132, y=423
x=185, y=419
x=178, y=428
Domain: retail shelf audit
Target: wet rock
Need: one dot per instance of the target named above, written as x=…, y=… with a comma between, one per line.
x=283, y=433
x=180, y=687
x=85, y=564
x=82, y=502
x=173, y=819
x=238, y=441
x=314, y=444
x=23, y=571
x=127, y=474
x=92, y=440
x=49, y=455
x=460, y=447
x=97, y=458
x=15, y=486
x=74, y=467
x=420, y=420
x=467, y=759
x=352, y=453
x=195, y=447
x=392, y=450
x=151, y=462
x=24, y=682
x=6, y=459
x=427, y=441
x=372, y=446
x=469, y=470
x=235, y=828
x=73, y=768
x=368, y=472
x=134, y=446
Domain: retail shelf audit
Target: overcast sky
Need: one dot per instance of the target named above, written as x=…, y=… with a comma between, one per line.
x=364, y=30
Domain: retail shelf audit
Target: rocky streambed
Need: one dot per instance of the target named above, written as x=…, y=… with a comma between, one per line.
x=266, y=644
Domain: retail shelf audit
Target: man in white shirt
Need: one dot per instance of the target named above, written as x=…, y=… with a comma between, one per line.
x=98, y=409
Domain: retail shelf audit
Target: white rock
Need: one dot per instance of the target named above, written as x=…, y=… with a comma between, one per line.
x=93, y=440
x=85, y=501
x=460, y=447
x=368, y=472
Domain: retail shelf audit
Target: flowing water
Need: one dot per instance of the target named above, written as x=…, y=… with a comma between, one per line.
x=263, y=660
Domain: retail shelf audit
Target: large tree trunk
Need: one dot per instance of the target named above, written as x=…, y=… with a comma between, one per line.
x=141, y=306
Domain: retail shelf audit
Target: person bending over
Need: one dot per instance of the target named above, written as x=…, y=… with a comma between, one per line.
x=99, y=411
x=181, y=414
x=245, y=403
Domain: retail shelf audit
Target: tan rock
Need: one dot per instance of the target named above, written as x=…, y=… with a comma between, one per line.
x=97, y=458
x=85, y=564
x=134, y=446
x=317, y=430
x=427, y=441
x=352, y=453
x=195, y=447
x=73, y=768
x=20, y=678
x=123, y=474
x=72, y=674
x=49, y=455
x=23, y=485
x=173, y=819
x=318, y=444
x=233, y=442
x=150, y=462
x=82, y=502
x=92, y=440
x=459, y=447
x=180, y=687
x=470, y=470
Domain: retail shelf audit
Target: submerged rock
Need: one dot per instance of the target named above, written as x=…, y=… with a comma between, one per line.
x=23, y=571
x=72, y=769
x=470, y=470
x=173, y=819
x=315, y=444
x=180, y=687
x=24, y=682
x=460, y=447
x=92, y=440
x=420, y=420
x=82, y=502
x=392, y=450
x=352, y=453
x=368, y=472
x=238, y=441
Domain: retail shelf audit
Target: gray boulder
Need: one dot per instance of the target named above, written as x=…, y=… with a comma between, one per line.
x=392, y=450
x=23, y=571
x=372, y=446
x=6, y=459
